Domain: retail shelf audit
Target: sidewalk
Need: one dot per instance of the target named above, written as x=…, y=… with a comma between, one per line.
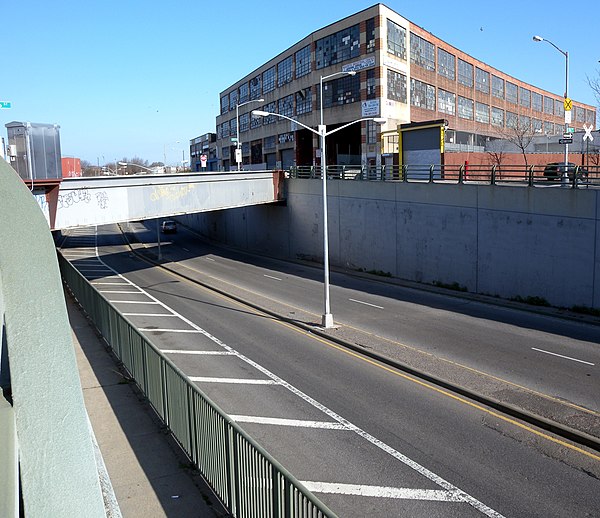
x=150, y=474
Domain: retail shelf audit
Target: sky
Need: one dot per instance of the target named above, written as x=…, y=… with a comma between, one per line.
x=141, y=78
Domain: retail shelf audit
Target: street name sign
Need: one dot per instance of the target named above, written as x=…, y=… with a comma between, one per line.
x=565, y=140
x=5, y=105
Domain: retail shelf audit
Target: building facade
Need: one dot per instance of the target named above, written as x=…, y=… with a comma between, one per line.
x=402, y=73
x=203, y=153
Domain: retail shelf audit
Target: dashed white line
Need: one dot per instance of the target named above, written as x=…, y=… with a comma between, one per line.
x=201, y=353
x=271, y=277
x=434, y=495
x=237, y=381
x=132, y=302
x=149, y=315
x=152, y=330
x=565, y=357
x=366, y=303
x=325, y=425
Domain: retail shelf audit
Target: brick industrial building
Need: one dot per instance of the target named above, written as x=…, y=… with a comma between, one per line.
x=403, y=74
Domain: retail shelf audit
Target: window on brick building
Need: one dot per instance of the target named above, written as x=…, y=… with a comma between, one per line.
x=482, y=81
x=422, y=94
x=536, y=101
x=446, y=64
x=338, y=47
x=371, y=85
x=497, y=117
x=422, y=52
x=465, y=73
x=370, y=35
x=396, y=83
x=497, y=87
x=284, y=71
x=396, y=39
x=511, y=92
x=482, y=113
x=303, y=61
x=446, y=102
x=465, y=108
x=524, y=97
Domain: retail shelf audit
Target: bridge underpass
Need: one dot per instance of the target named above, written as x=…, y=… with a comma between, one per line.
x=102, y=200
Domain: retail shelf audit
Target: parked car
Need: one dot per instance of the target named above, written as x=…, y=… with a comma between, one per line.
x=555, y=170
x=169, y=227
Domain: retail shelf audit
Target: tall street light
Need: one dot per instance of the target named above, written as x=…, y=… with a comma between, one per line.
x=565, y=176
x=327, y=318
x=238, y=146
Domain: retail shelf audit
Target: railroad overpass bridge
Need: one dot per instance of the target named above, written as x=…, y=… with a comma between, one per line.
x=102, y=200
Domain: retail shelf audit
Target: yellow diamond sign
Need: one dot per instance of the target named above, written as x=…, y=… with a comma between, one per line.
x=568, y=104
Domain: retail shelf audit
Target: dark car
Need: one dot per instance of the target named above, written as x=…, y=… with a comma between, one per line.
x=555, y=170
x=169, y=227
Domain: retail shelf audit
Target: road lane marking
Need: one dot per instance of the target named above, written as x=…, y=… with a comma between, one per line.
x=204, y=353
x=184, y=248
x=404, y=493
x=210, y=259
x=276, y=380
x=366, y=303
x=299, y=423
x=237, y=381
x=149, y=315
x=117, y=291
x=565, y=357
x=152, y=330
x=271, y=277
x=132, y=302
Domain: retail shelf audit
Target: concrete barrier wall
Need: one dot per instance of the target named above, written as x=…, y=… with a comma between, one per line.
x=495, y=240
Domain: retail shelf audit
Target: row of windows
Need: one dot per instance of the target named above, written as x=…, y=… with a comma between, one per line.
x=423, y=95
x=423, y=54
x=279, y=75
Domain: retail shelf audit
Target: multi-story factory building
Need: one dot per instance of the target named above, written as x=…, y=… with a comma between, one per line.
x=403, y=74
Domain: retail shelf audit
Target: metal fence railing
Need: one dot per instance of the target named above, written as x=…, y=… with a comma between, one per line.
x=577, y=176
x=246, y=478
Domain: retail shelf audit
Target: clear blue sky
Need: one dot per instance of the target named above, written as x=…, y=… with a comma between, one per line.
x=130, y=78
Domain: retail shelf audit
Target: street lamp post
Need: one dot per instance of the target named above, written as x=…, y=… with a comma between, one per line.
x=565, y=176
x=238, y=146
x=327, y=318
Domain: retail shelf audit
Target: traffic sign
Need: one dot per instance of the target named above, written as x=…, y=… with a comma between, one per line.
x=568, y=135
x=568, y=104
x=588, y=132
x=565, y=140
x=203, y=159
x=5, y=105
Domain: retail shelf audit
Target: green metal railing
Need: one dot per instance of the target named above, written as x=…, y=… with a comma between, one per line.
x=246, y=478
x=578, y=176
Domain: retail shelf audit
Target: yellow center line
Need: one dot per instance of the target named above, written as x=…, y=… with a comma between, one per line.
x=440, y=391
x=414, y=349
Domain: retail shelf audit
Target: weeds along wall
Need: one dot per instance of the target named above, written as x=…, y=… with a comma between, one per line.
x=506, y=241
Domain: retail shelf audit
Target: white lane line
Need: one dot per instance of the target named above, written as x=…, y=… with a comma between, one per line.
x=271, y=277
x=132, y=302
x=149, y=330
x=116, y=291
x=565, y=357
x=236, y=381
x=366, y=303
x=405, y=493
x=185, y=249
x=274, y=379
x=325, y=425
x=96, y=283
x=210, y=259
x=202, y=353
x=149, y=315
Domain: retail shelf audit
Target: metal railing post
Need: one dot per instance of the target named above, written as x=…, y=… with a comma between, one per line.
x=493, y=175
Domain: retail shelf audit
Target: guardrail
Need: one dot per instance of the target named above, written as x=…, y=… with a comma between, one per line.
x=246, y=478
x=578, y=176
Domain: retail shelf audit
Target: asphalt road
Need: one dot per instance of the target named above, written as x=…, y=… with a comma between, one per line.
x=368, y=440
x=554, y=356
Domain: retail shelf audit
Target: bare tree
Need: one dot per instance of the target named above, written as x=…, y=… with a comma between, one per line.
x=520, y=133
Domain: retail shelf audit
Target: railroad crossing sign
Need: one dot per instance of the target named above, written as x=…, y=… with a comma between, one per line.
x=588, y=132
x=568, y=104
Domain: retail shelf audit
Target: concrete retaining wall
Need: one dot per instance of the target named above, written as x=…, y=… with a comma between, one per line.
x=495, y=240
